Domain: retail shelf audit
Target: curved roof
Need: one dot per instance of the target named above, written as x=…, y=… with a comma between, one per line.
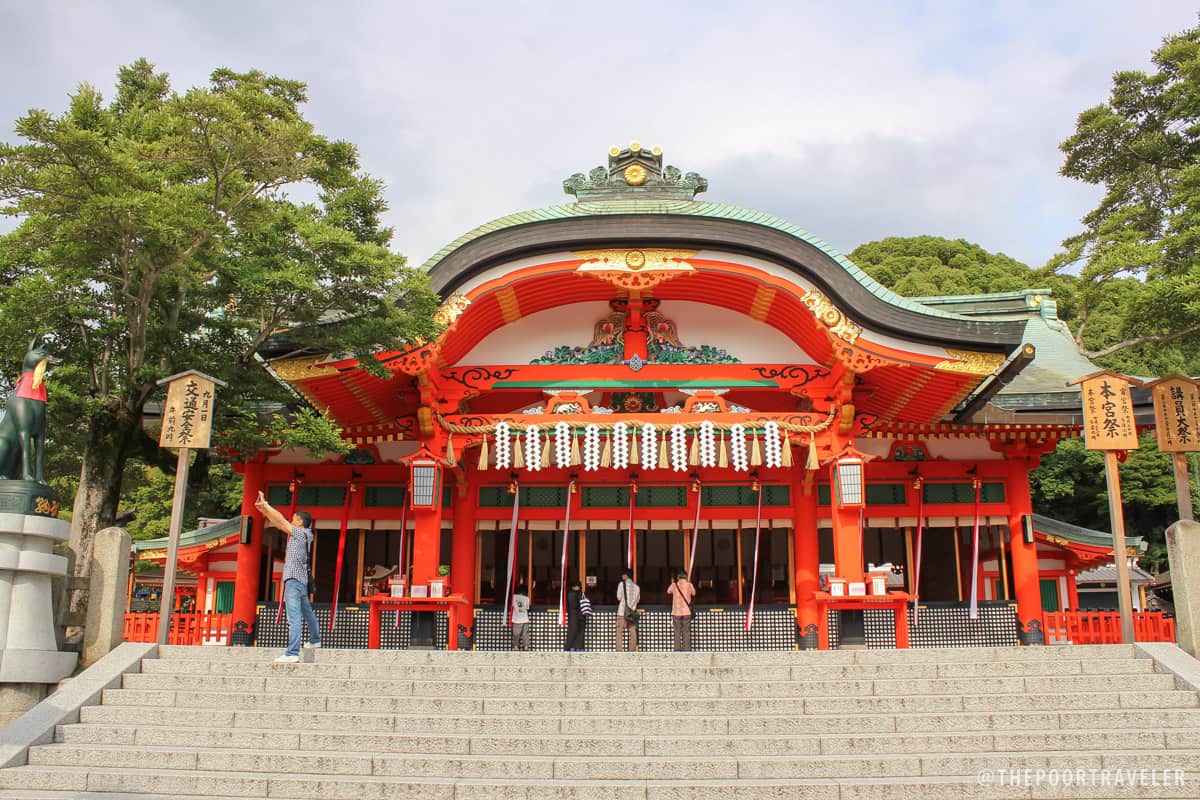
x=654, y=213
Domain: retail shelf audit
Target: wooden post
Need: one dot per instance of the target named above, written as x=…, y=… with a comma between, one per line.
x=958, y=560
x=187, y=425
x=1117, y=513
x=1003, y=565
x=1183, y=486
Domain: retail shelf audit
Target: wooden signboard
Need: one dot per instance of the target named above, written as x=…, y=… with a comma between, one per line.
x=1177, y=414
x=1108, y=422
x=187, y=415
x=1108, y=425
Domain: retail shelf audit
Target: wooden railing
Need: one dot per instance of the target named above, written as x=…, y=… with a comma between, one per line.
x=1104, y=627
x=191, y=628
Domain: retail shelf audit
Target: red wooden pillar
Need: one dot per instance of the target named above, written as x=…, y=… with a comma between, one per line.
x=427, y=543
x=1024, y=557
x=462, y=553
x=1073, y=592
x=847, y=540
x=807, y=558
x=249, y=562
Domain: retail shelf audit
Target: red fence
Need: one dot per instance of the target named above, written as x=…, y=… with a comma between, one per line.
x=1104, y=627
x=203, y=628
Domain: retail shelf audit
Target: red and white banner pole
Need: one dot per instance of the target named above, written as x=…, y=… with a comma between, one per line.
x=337, y=577
x=562, y=592
x=916, y=582
x=695, y=531
x=401, y=565
x=754, y=578
x=974, y=607
x=512, y=554
x=629, y=555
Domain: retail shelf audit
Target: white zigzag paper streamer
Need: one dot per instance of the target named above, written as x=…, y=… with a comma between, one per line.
x=591, y=447
x=737, y=448
x=649, y=446
x=562, y=445
x=620, y=445
x=503, y=447
x=679, y=446
x=533, y=449
x=708, y=444
x=772, y=446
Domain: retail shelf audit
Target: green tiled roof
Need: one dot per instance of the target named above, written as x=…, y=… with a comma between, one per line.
x=1074, y=533
x=686, y=208
x=191, y=538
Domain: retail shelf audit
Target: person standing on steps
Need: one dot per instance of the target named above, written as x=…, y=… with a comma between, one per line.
x=579, y=608
x=628, y=596
x=295, y=577
x=520, y=618
x=682, y=593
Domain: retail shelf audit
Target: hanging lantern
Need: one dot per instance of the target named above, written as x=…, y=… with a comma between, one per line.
x=848, y=481
x=425, y=485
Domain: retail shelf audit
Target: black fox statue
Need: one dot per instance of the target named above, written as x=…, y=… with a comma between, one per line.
x=23, y=427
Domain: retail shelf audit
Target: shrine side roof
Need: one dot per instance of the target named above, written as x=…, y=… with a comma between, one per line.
x=194, y=537
x=1080, y=535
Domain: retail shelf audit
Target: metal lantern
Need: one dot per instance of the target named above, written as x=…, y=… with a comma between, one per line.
x=848, y=481
x=425, y=486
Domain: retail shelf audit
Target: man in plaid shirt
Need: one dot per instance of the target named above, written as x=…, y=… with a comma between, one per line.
x=295, y=577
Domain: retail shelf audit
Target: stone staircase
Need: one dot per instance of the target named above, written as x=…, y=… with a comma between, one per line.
x=868, y=725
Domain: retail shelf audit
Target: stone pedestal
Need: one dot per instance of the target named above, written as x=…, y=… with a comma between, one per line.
x=1183, y=550
x=28, y=650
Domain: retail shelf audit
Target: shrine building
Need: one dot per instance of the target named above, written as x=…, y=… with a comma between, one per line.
x=641, y=380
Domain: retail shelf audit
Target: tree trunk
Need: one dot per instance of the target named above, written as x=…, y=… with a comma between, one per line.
x=110, y=435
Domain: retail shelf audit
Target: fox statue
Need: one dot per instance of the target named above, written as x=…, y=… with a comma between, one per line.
x=23, y=427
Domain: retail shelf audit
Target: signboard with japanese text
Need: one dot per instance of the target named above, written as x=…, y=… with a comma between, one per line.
x=1108, y=422
x=187, y=415
x=1177, y=415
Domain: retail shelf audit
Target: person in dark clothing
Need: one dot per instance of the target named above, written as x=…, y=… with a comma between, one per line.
x=579, y=608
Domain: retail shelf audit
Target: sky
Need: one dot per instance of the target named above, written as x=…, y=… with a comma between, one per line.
x=855, y=121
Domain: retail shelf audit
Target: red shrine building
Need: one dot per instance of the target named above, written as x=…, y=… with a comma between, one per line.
x=640, y=380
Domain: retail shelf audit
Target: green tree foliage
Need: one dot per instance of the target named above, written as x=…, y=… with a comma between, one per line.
x=1137, y=256
x=930, y=266
x=157, y=234
x=1069, y=485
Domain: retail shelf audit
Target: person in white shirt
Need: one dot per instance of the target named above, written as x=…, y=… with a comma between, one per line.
x=628, y=597
x=520, y=618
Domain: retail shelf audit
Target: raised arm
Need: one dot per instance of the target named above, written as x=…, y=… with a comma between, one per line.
x=272, y=515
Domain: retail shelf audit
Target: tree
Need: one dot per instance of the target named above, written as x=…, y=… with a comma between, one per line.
x=929, y=266
x=156, y=235
x=1137, y=255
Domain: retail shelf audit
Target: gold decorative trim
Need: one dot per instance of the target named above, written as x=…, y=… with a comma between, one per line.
x=301, y=369
x=970, y=362
x=764, y=297
x=636, y=268
x=831, y=316
x=509, y=307
x=449, y=311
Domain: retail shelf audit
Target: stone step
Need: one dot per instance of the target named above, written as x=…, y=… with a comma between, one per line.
x=605, y=673
x=172, y=768
x=670, y=659
x=339, y=788
x=626, y=706
x=634, y=742
x=599, y=726
x=300, y=682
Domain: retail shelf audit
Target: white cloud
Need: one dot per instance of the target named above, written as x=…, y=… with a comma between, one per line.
x=855, y=123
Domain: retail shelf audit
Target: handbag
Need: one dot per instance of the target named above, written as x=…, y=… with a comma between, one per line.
x=631, y=616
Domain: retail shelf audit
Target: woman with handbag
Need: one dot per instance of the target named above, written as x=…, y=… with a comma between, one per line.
x=628, y=596
x=682, y=593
